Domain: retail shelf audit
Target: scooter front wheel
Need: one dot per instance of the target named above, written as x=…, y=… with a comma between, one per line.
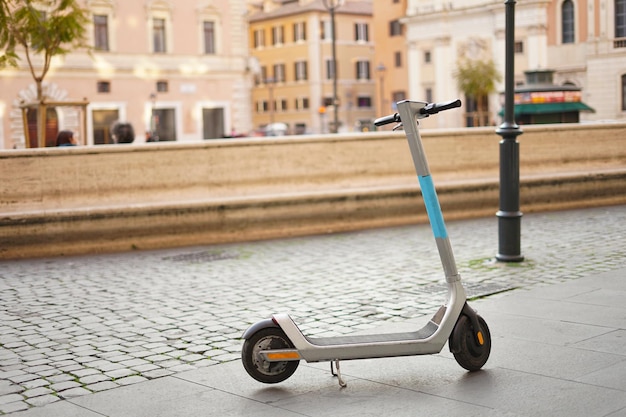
x=470, y=347
x=261, y=369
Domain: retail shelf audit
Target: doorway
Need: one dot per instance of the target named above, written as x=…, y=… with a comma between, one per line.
x=165, y=124
x=213, y=123
x=102, y=122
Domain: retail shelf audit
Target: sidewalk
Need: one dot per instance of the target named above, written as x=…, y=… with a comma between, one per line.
x=159, y=330
x=558, y=350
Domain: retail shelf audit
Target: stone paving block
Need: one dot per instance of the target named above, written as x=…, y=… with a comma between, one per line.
x=92, y=379
x=60, y=378
x=120, y=373
x=36, y=392
x=129, y=380
x=35, y=383
x=42, y=400
x=74, y=392
x=65, y=385
x=7, y=387
x=101, y=386
x=13, y=407
x=10, y=398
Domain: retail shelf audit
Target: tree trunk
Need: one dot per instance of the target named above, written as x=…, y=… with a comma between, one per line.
x=41, y=116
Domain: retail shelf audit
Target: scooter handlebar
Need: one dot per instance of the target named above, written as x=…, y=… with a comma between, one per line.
x=385, y=120
x=434, y=108
x=431, y=108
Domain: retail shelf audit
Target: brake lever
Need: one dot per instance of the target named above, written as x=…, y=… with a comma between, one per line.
x=397, y=127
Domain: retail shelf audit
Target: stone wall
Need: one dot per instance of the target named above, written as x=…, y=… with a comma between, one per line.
x=91, y=199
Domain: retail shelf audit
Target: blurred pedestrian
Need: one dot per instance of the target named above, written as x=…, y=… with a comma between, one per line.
x=123, y=132
x=66, y=138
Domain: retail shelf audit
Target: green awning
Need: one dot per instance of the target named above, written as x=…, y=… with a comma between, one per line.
x=543, y=108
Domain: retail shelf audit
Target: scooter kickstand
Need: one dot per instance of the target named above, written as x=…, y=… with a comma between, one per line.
x=342, y=383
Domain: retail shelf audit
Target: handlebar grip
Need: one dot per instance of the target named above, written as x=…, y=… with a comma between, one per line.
x=434, y=108
x=385, y=120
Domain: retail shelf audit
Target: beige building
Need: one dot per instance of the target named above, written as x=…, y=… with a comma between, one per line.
x=291, y=44
x=583, y=41
x=179, y=68
x=392, y=78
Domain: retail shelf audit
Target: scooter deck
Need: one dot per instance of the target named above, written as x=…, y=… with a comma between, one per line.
x=421, y=334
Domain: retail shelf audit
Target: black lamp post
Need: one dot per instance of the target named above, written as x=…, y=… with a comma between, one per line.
x=509, y=215
x=332, y=5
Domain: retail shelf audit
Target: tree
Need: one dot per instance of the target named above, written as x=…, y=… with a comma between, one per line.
x=477, y=79
x=40, y=28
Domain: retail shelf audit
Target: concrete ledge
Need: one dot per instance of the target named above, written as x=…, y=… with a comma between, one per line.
x=153, y=226
x=116, y=198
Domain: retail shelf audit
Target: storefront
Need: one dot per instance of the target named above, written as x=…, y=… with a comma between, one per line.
x=540, y=101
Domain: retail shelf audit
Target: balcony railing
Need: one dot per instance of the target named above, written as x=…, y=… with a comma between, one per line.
x=619, y=43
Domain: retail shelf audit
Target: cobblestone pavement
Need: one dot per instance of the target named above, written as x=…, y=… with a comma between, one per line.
x=76, y=325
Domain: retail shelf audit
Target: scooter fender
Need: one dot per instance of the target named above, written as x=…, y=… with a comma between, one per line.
x=263, y=324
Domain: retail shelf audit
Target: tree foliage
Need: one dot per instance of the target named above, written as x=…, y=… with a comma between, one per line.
x=40, y=28
x=477, y=78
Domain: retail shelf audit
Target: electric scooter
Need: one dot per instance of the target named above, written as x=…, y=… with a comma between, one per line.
x=273, y=348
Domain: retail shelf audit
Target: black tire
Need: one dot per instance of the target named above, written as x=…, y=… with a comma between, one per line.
x=470, y=354
x=260, y=369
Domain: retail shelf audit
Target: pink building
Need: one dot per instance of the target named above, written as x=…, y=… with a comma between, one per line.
x=176, y=68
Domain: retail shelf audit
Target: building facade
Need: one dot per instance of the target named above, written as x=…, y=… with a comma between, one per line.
x=291, y=44
x=391, y=55
x=582, y=41
x=178, y=69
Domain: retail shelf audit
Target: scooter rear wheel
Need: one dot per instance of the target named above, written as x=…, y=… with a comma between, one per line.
x=469, y=353
x=261, y=369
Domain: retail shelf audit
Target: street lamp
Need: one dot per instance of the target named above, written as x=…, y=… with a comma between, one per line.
x=331, y=6
x=509, y=215
x=381, y=70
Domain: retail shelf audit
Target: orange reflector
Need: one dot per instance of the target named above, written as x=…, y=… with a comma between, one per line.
x=480, y=338
x=282, y=356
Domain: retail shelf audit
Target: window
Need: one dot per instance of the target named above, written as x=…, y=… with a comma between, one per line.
x=361, y=32
x=209, y=37
x=279, y=73
x=263, y=74
x=624, y=92
x=158, y=35
x=620, y=18
x=398, y=59
x=330, y=69
x=278, y=34
x=428, y=95
x=327, y=102
x=518, y=47
x=302, y=103
x=103, y=86
x=162, y=86
x=567, y=15
x=364, y=101
x=427, y=57
x=397, y=96
x=282, y=105
x=325, y=30
x=299, y=31
x=262, y=106
x=301, y=70
x=259, y=38
x=395, y=28
x=101, y=32
x=362, y=70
